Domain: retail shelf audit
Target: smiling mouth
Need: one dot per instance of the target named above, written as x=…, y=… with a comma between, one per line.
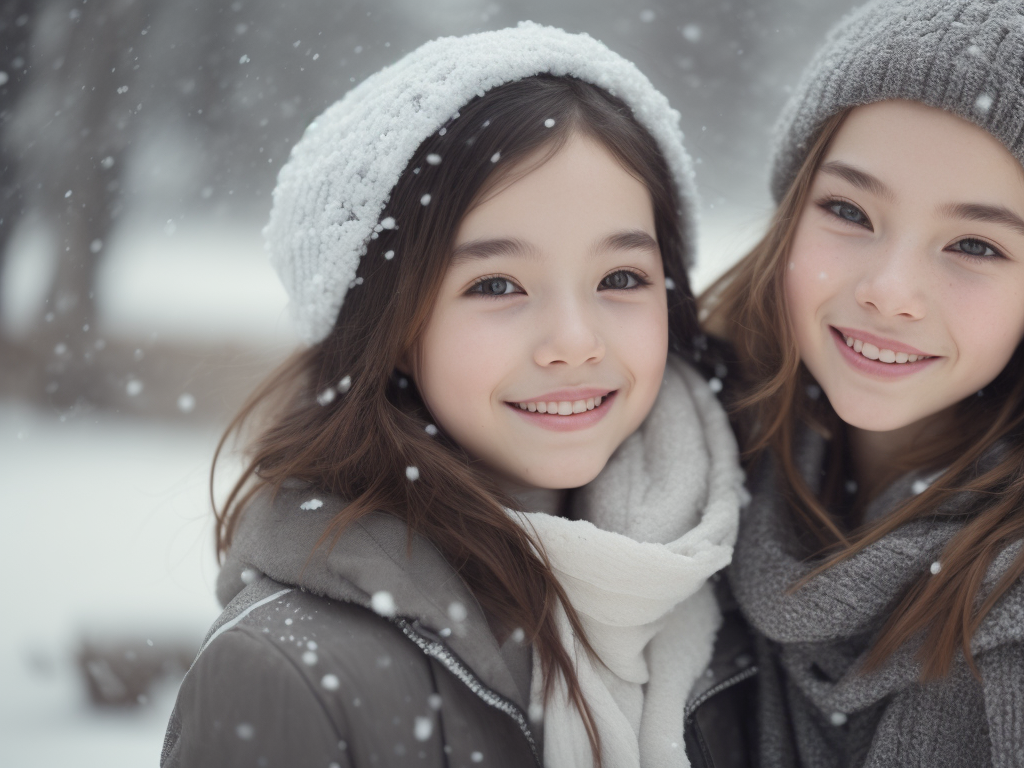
x=871, y=352
x=563, y=407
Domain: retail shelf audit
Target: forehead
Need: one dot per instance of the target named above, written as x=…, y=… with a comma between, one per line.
x=924, y=150
x=579, y=187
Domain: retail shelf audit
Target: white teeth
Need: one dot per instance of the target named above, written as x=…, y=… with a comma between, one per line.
x=872, y=352
x=563, y=407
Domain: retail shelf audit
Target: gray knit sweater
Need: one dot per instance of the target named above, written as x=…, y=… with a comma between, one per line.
x=815, y=707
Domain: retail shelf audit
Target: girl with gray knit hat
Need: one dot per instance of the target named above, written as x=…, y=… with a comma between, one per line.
x=483, y=505
x=878, y=329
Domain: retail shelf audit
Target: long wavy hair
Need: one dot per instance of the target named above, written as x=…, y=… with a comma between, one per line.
x=340, y=416
x=945, y=609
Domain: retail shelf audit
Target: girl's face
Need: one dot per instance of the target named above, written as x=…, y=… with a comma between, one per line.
x=910, y=249
x=549, y=338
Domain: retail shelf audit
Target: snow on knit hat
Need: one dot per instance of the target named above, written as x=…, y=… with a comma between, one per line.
x=963, y=56
x=331, y=193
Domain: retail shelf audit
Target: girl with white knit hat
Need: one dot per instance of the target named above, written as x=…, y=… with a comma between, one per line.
x=482, y=507
x=878, y=329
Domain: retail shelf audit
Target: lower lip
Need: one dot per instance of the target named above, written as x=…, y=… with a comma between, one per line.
x=876, y=367
x=569, y=423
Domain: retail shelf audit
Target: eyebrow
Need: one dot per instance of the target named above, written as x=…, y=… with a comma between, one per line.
x=994, y=214
x=628, y=240
x=861, y=179
x=482, y=249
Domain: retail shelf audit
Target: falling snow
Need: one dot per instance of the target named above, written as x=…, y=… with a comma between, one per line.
x=383, y=604
x=330, y=682
x=186, y=402
x=983, y=103
x=425, y=200
x=434, y=159
x=133, y=387
x=245, y=731
x=431, y=430
x=249, y=575
x=549, y=123
x=327, y=396
x=457, y=612
x=311, y=504
x=423, y=728
x=344, y=385
x=935, y=568
x=692, y=33
x=496, y=157
x=412, y=473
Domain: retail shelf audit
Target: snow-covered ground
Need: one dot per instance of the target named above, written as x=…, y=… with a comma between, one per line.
x=106, y=533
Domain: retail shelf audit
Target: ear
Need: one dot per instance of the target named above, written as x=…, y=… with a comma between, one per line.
x=407, y=362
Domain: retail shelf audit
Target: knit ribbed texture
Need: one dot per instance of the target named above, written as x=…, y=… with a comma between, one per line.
x=816, y=707
x=332, y=191
x=963, y=56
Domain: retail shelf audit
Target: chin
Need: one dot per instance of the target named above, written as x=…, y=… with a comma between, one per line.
x=558, y=478
x=871, y=418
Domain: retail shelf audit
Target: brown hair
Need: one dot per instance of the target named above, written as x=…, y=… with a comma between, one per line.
x=748, y=302
x=359, y=445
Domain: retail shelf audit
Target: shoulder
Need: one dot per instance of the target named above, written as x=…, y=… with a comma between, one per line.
x=315, y=678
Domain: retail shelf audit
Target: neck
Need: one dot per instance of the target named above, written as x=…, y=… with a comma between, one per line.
x=548, y=500
x=878, y=458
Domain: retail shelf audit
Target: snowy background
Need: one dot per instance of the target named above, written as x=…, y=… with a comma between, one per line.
x=139, y=141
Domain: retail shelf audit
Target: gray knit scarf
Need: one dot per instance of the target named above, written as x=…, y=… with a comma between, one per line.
x=816, y=708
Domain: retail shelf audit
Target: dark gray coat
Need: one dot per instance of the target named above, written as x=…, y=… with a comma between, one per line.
x=300, y=670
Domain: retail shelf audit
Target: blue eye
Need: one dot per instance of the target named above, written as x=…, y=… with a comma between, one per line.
x=621, y=280
x=847, y=212
x=974, y=248
x=495, y=286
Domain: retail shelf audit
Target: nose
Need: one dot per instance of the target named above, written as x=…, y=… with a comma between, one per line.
x=894, y=284
x=569, y=335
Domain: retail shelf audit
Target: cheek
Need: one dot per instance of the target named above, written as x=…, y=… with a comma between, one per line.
x=639, y=340
x=983, y=345
x=460, y=360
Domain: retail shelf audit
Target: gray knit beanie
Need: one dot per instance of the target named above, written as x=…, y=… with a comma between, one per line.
x=963, y=56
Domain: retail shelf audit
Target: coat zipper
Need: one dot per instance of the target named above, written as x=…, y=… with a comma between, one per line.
x=451, y=662
x=729, y=682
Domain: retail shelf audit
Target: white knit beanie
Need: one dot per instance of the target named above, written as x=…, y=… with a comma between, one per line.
x=331, y=193
x=963, y=56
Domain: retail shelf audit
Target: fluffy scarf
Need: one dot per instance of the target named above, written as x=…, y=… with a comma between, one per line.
x=649, y=530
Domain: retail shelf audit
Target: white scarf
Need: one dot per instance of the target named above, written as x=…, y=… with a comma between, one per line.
x=657, y=522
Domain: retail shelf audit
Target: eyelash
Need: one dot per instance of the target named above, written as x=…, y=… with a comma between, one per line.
x=477, y=287
x=827, y=204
